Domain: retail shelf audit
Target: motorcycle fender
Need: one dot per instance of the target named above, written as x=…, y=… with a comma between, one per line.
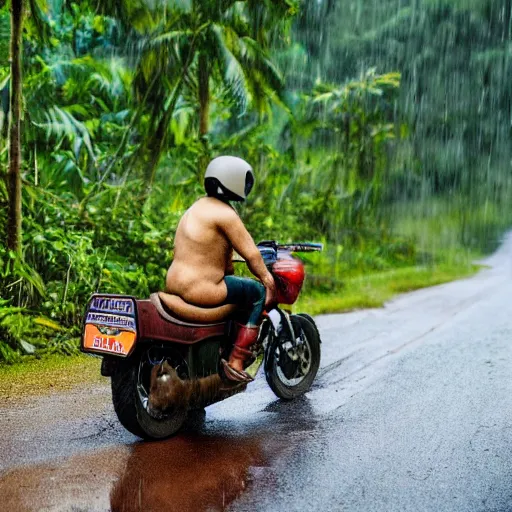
x=109, y=365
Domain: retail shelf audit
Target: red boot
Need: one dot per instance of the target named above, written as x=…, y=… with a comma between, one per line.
x=245, y=339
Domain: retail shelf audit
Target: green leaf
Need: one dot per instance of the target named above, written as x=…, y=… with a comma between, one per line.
x=28, y=348
x=46, y=322
x=98, y=24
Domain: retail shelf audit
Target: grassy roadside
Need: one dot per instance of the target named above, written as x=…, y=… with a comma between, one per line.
x=373, y=290
x=33, y=377
x=59, y=373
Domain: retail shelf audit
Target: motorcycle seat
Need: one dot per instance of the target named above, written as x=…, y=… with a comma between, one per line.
x=170, y=306
x=157, y=322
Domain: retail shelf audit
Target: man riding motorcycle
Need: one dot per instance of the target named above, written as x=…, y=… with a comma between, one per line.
x=201, y=272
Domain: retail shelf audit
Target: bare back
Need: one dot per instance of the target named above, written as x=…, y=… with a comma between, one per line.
x=202, y=255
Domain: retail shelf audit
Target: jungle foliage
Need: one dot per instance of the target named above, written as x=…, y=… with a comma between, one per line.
x=347, y=112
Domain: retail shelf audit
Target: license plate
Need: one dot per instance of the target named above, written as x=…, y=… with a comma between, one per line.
x=98, y=339
x=110, y=325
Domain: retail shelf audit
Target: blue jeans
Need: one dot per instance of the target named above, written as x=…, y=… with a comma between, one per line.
x=248, y=295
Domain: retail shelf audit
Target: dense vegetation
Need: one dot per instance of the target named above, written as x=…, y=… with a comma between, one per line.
x=350, y=113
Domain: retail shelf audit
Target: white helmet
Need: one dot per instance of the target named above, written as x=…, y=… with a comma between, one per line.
x=228, y=178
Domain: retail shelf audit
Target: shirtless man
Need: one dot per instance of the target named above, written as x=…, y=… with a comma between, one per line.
x=201, y=272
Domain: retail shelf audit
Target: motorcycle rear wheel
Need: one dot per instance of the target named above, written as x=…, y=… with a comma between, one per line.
x=307, y=334
x=130, y=405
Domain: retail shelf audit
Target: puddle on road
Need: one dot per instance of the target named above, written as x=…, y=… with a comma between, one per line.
x=185, y=473
x=201, y=469
x=79, y=483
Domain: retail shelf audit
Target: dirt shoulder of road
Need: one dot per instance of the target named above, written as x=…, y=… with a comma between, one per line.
x=59, y=373
x=47, y=375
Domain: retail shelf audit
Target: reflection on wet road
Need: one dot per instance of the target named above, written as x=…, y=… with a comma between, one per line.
x=187, y=473
x=81, y=482
x=204, y=468
x=411, y=410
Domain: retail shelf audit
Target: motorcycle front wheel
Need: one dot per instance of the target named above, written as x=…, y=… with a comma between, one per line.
x=130, y=391
x=292, y=365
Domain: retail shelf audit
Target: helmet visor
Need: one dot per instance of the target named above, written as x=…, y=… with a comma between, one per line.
x=249, y=182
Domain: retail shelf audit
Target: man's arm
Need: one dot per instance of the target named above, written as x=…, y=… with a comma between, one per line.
x=241, y=240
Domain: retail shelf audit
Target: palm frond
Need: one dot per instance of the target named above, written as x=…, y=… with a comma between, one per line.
x=39, y=19
x=231, y=68
x=5, y=34
x=62, y=124
x=169, y=37
x=135, y=14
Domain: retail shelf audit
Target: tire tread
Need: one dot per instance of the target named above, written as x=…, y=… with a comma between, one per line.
x=308, y=326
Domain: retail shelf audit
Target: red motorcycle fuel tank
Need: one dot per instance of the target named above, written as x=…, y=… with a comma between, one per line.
x=289, y=276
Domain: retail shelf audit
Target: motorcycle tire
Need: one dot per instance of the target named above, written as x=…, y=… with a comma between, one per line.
x=311, y=320
x=129, y=408
x=286, y=391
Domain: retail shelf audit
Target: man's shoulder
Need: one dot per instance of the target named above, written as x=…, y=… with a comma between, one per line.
x=216, y=210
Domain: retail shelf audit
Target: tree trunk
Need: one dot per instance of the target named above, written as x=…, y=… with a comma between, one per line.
x=204, y=95
x=13, y=175
x=204, y=109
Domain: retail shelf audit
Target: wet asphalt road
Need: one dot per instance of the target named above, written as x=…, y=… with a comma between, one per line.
x=411, y=411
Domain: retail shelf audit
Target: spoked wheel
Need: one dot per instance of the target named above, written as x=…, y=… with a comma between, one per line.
x=293, y=364
x=130, y=394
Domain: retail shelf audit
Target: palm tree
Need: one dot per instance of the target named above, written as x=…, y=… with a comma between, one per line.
x=191, y=48
x=13, y=174
x=18, y=10
x=355, y=123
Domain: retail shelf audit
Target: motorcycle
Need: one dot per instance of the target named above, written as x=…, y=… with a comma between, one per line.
x=163, y=366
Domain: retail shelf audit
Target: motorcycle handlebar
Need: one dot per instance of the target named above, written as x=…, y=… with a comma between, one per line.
x=302, y=247
x=293, y=247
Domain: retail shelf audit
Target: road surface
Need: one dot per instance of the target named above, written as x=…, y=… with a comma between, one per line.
x=411, y=411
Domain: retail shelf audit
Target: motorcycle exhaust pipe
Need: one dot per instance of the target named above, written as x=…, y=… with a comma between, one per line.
x=168, y=391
